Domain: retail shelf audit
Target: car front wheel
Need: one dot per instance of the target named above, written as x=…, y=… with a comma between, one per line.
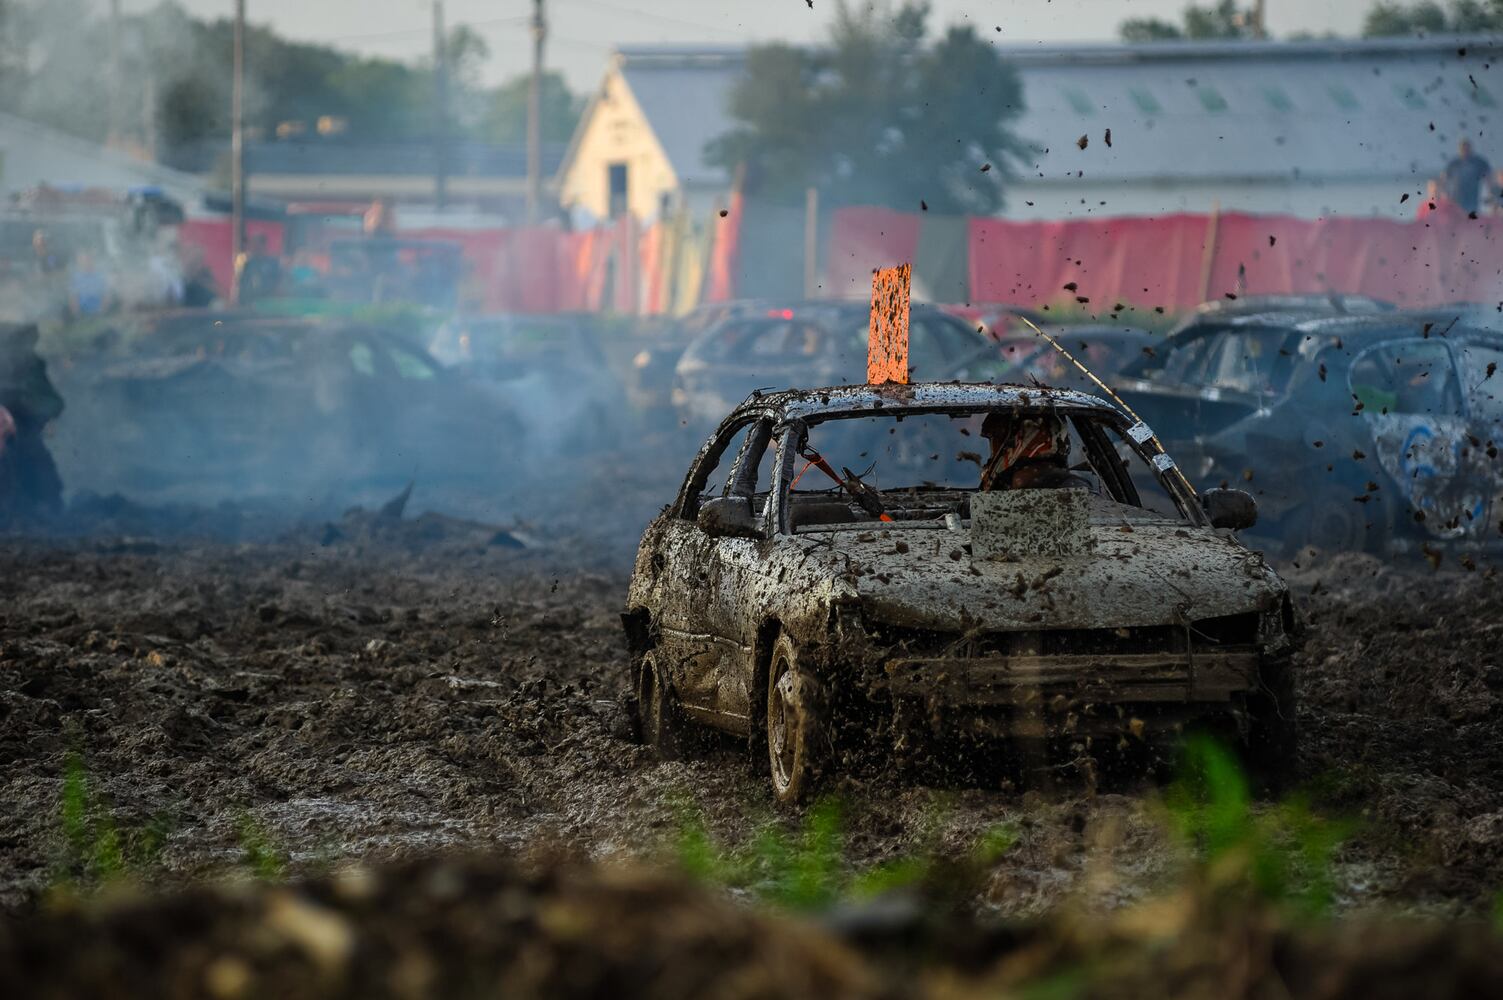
x=792, y=726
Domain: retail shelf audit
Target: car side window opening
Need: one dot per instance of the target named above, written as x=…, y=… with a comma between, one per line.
x=410, y=365
x=1409, y=377
x=752, y=470
x=1183, y=361
x=702, y=472
x=1256, y=362
x=1482, y=372
x=1145, y=483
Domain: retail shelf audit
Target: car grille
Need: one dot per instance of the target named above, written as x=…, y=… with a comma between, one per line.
x=1205, y=635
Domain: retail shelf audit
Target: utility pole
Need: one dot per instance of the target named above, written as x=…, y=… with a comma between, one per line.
x=535, y=115
x=114, y=138
x=237, y=152
x=441, y=109
x=1260, y=19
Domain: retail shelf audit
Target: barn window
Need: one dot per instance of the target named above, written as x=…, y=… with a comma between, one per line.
x=1210, y=98
x=1079, y=101
x=1277, y=99
x=1409, y=97
x=1146, y=102
x=1343, y=96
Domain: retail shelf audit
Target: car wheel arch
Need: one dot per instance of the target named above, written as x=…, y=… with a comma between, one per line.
x=766, y=641
x=639, y=628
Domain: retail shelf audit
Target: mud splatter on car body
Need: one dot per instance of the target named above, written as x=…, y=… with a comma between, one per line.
x=1037, y=614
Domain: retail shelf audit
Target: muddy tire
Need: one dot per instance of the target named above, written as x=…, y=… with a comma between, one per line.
x=1336, y=522
x=793, y=737
x=1272, y=741
x=657, y=712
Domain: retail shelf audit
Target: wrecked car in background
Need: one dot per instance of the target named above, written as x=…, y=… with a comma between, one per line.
x=1104, y=348
x=1374, y=432
x=275, y=408
x=779, y=346
x=552, y=371
x=903, y=608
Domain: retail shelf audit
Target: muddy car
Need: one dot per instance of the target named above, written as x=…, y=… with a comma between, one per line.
x=1375, y=433
x=823, y=612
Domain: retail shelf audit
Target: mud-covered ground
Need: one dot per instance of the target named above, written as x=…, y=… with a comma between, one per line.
x=376, y=692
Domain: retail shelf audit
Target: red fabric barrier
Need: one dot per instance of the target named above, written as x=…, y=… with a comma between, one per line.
x=1163, y=261
x=213, y=238
x=726, y=253
x=1144, y=261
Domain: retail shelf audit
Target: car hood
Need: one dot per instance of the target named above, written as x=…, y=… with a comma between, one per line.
x=1143, y=573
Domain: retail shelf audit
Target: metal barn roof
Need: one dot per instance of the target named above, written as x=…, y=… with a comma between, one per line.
x=1328, y=109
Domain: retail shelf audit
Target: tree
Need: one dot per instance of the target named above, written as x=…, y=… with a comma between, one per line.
x=1428, y=17
x=506, y=116
x=1222, y=19
x=175, y=83
x=879, y=116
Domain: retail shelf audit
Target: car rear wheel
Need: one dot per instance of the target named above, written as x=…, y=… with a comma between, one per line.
x=656, y=709
x=792, y=729
x=1336, y=521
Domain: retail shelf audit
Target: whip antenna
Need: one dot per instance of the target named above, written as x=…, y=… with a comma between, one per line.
x=1139, y=431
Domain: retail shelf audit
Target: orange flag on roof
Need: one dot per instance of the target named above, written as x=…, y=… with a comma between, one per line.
x=887, y=339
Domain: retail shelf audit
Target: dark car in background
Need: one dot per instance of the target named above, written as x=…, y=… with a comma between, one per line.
x=1371, y=432
x=1106, y=349
x=276, y=408
x=551, y=369
x=816, y=343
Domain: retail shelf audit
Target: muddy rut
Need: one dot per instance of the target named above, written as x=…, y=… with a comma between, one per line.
x=382, y=697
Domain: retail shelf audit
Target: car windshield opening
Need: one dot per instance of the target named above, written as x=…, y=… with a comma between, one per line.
x=918, y=468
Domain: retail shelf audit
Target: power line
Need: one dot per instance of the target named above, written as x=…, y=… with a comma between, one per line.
x=413, y=32
x=661, y=18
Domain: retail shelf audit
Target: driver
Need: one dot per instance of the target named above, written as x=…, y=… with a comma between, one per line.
x=1029, y=452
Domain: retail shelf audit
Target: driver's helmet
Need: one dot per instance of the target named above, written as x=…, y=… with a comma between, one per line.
x=1026, y=437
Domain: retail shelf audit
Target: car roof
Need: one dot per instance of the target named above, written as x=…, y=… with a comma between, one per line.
x=1202, y=324
x=1477, y=317
x=1346, y=305
x=852, y=400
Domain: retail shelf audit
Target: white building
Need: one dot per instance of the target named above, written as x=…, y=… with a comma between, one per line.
x=1306, y=128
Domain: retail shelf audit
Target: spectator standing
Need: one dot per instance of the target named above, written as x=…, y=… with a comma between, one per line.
x=29, y=481
x=260, y=271
x=1462, y=180
x=199, y=287
x=89, y=292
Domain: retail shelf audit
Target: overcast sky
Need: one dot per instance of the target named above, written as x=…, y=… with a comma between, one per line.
x=582, y=31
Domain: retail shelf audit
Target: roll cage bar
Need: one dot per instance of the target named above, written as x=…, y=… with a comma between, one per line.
x=792, y=433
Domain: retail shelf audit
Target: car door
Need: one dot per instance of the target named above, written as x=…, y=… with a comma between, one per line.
x=1482, y=379
x=1409, y=396
x=687, y=567
x=735, y=566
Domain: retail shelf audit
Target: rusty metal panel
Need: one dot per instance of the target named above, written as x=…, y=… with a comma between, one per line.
x=887, y=339
x=1015, y=524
